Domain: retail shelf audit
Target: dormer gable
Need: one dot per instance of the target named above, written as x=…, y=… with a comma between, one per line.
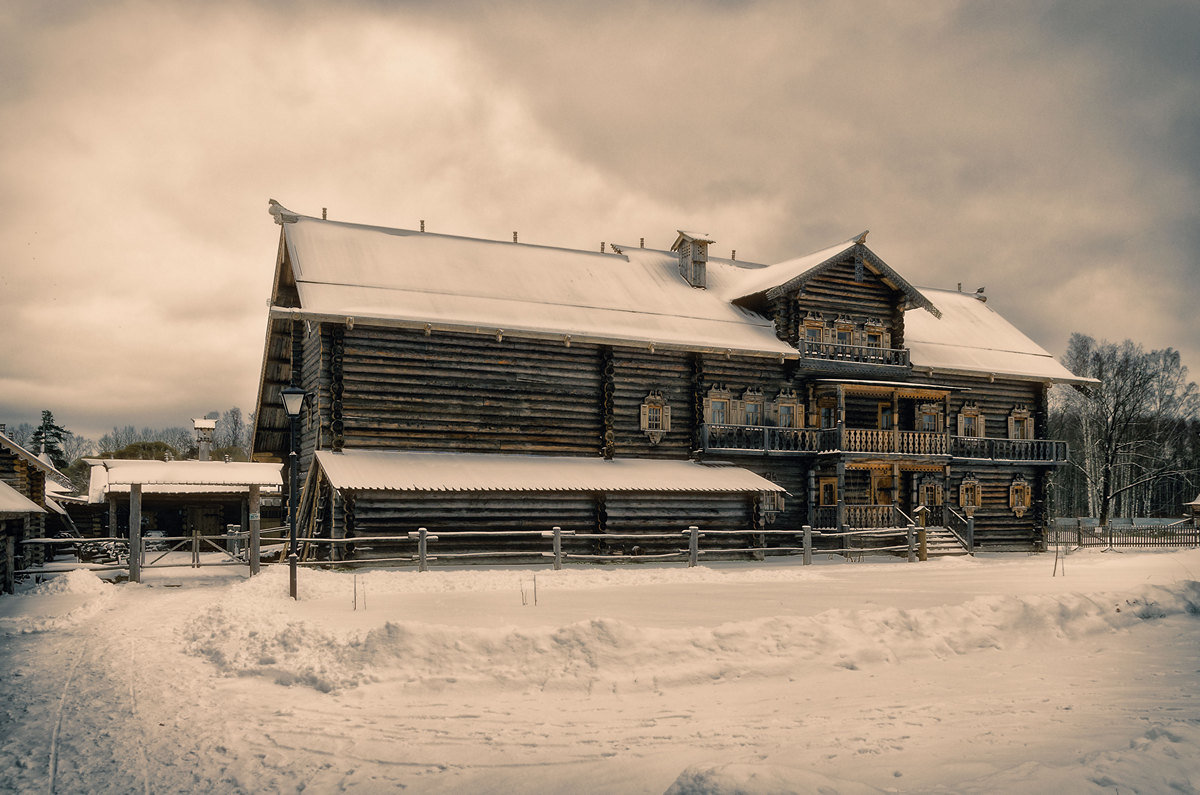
x=692, y=249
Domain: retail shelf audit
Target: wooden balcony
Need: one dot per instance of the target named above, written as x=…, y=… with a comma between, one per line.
x=856, y=354
x=1043, y=451
x=768, y=439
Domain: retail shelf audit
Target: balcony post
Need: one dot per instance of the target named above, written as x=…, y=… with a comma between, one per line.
x=841, y=495
x=895, y=422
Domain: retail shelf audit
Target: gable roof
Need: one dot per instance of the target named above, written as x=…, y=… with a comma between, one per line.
x=37, y=461
x=345, y=270
x=787, y=276
x=969, y=336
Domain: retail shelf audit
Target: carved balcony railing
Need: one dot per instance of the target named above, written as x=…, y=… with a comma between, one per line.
x=859, y=516
x=859, y=354
x=867, y=440
x=1035, y=450
x=764, y=438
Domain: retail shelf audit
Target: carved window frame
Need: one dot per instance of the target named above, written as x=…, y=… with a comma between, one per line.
x=655, y=416
x=752, y=397
x=771, y=502
x=885, y=414
x=1020, y=496
x=1020, y=423
x=970, y=414
x=788, y=398
x=827, y=492
x=970, y=494
x=930, y=492
x=844, y=325
x=719, y=397
x=930, y=410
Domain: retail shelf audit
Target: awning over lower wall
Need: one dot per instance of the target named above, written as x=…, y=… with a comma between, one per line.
x=14, y=502
x=112, y=476
x=365, y=470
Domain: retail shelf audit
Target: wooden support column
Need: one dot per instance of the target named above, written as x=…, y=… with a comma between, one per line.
x=812, y=497
x=112, y=515
x=254, y=524
x=841, y=424
x=895, y=431
x=135, y=532
x=337, y=524
x=841, y=494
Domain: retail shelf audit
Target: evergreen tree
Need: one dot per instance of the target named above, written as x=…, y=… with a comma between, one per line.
x=48, y=438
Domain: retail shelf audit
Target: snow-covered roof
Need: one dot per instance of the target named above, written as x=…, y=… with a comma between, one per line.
x=972, y=337
x=351, y=270
x=178, y=477
x=13, y=501
x=200, y=423
x=425, y=471
x=37, y=461
x=1194, y=503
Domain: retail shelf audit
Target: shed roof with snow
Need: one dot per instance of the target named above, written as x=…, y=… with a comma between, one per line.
x=13, y=502
x=364, y=470
x=114, y=476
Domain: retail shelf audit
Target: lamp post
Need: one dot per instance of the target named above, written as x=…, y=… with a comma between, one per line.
x=293, y=403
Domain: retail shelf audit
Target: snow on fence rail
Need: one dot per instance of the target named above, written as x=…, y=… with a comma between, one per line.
x=244, y=548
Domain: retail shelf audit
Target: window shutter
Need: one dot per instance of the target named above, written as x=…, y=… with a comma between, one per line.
x=979, y=423
x=666, y=418
x=707, y=410
x=737, y=408
x=960, y=424
x=1029, y=427
x=1012, y=427
x=645, y=420
x=827, y=334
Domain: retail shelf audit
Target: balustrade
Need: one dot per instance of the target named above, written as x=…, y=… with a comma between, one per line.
x=832, y=351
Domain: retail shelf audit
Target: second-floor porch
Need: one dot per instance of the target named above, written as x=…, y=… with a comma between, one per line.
x=769, y=440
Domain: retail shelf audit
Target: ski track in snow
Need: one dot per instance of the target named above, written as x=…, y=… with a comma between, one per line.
x=228, y=686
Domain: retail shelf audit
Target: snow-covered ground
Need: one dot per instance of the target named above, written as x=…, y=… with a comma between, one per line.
x=963, y=675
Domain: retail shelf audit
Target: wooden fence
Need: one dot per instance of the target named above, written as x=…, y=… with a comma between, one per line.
x=1144, y=535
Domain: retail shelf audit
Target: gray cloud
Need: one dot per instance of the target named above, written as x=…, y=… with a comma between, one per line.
x=1048, y=152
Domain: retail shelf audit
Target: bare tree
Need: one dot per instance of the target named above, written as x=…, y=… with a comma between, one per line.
x=1130, y=431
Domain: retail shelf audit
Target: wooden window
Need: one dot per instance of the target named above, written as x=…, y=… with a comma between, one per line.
x=970, y=421
x=886, y=419
x=655, y=417
x=814, y=332
x=929, y=418
x=970, y=495
x=828, y=415
x=786, y=410
x=931, y=494
x=1020, y=424
x=718, y=405
x=772, y=501
x=753, y=407
x=845, y=335
x=874, y=339
x=882, y=488
x=1019, y=498
x=828, y=492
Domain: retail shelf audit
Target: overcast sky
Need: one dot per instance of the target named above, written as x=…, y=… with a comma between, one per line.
x=1047, y=151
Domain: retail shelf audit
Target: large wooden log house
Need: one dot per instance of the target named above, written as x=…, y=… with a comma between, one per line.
x=464, y=384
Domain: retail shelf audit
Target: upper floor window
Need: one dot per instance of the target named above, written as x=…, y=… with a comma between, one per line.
x=655, y=417
x=874, y=339
x=1020, y=424
x=828, y=494
x=717, y=406
x=828, y=413
x=970, y=421
x=813, y=333
x=788, y=412
x=887, y=420
x=845, y=335
x=930, y=493
x=929, y=418
x=752, y=407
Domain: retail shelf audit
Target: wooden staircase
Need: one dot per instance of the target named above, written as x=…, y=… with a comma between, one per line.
x=941, y=542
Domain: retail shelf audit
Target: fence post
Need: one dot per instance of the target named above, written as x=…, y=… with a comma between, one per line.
x=422, y=548
x=922, y=545
x=807, y=545
x=1110, y=533
x=1079, y=531
x=255, y=523
x=557, y=548
x=912, y=548
x=693, y=546
x=971, y=535
x=135, y=532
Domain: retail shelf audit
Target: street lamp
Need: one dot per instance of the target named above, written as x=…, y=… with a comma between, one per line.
x=293, y=403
